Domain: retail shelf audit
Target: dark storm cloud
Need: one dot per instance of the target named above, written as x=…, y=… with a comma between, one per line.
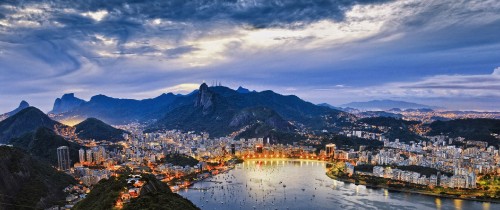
x=258, y=13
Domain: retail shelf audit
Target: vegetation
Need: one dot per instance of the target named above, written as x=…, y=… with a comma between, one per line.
x=336, y=169
x=93, y=128
x=27, y=120
x=44, y=143
x=490, y=184
x=154, y=195
x=221, y=111
x=157, y=195
x=275, y=137
x=104, y=194
x=398, y=128
x=470, y=129
x=179, y=160
x=28, y=183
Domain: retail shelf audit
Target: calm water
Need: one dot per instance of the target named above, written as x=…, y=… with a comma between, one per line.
x=302, y=184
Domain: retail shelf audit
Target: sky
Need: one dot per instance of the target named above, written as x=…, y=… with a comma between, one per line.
x=443, y=53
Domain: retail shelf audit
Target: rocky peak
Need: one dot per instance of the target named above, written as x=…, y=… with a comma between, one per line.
x=66, y=103
x=23, y=105
x=205, y=98
x=68, y=96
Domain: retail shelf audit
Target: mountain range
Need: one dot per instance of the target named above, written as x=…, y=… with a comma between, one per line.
x=111, y=110
x=218, y=110
x=24, y=127
x=386, y=105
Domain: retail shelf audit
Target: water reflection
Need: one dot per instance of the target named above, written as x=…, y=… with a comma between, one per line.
x=438, y=203
x=302, y=184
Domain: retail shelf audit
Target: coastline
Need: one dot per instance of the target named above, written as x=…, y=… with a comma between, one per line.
x=412, y=191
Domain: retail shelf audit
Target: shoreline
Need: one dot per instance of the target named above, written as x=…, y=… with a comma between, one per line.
x=366, y=185
x=413, y=191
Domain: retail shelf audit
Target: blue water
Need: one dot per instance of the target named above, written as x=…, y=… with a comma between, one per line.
x=302, y=184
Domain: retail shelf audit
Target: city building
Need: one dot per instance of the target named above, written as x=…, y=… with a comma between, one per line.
x=63, y=158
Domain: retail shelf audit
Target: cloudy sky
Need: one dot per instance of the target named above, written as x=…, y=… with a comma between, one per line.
x=444, y=53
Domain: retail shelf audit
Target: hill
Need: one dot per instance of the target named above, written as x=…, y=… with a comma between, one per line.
x=26, y=120
x=221, y=111
x=43, y=143
x=157, y=195
x=397, y=128
x=470, y=129
x=93, y=128
x=386, y=105
x=28, y=183
x=154, y=195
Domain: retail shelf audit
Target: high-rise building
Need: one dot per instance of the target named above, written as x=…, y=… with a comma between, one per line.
x=330, y=150
x=233, y=149
x=89, y=156
x=81, y=155
x=63, y=158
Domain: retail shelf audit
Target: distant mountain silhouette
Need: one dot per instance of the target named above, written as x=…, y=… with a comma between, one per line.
x=386, y=105
x=381, y=114
x=120, y=111
x=22, y=105
x=243, y=90
x=93, y=128
x=218, y=110
x=66, y=103
x=27, y=120
x=346, y=109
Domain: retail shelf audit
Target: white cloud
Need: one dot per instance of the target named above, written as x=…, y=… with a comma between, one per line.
x=496, y=71
x=97, y=15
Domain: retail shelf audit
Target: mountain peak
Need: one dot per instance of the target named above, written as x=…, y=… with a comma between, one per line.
x=204, y=98
x=68, y=95
x=93, y=128
x=66, y=103
x=26, y=120
x=242, y=90
x=23, y=104
x=203, y=86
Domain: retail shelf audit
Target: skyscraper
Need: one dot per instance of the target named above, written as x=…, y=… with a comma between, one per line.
x=330, y=150
x=81, y=154
x=63, y=158
x=89, y=156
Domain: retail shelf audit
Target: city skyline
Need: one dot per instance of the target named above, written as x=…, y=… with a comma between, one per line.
x=438, y=53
